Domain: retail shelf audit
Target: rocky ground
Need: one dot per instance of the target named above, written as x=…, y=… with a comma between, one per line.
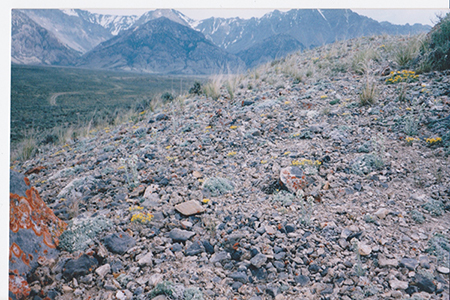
x=370, y=222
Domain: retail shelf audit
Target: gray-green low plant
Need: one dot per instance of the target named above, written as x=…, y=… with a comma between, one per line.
x=439, y=246
x=218, y=185
x=78, y=236
x=367, y=163
x=434, y=207
x=283, y=197
x=417, y=216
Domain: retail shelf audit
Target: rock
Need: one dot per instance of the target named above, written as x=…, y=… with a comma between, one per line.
x=81, y=266
x=272, y=290
x=382, y=213
x=364, y=249
x=195, y=248
x=398, y=285
x=443, y=270
x=33, y=233
x=424, y=284
x=293, y=178
x=208, y=247
x=146, y=260
x=190, y=208
x=119, y=243
x=197, y=174
x=179, y=235
x=103, y=270
x=409, y=263
x=424, y=261
x=313, y=268
x=220, y=257
x=258, y=260
x=384, y=262
x=161, y=117
x=270, y=230
x=239, y=276
x=302, y=280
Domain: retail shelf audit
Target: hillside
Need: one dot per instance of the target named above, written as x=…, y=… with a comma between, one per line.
x=324, y=175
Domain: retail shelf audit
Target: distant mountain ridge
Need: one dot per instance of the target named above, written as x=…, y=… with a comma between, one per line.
x=311, y=27
x=79, y=34
x=161, y=46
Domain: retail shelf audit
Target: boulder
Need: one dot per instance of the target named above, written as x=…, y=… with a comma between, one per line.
x=33, y=233
x=293, y=178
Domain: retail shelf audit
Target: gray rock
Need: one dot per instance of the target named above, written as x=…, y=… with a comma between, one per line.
x=398, y=285
x=258, y=260
x=103, y=270
x=79, y=267
x=424, y=284
x=220, y=257
x=409, y=263
x=239, y=276
x=424, y=261
x=119, y=242
x=272, y=290
x=195, y=248
x=146, y=260
x=179, y=235
x=302, y=280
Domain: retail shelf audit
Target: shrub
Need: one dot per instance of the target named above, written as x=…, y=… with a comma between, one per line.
x=366, y=164
x=167, y=97
x=218, y=186
x=437, y=54
x=196, y=89
x=78, y=237
x=434, y=207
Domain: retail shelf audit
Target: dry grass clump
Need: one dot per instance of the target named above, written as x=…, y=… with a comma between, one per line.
x=369, y=92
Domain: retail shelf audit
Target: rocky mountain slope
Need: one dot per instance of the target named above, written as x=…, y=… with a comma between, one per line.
x=34, y=45
x=161, y=46
x=313, y=179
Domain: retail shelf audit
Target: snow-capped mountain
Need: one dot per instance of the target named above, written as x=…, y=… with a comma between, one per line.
x=311, y=27
x=254, y=40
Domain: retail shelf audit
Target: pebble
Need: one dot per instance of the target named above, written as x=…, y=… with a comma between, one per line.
x=382, y=213
x=409, y=263
x=146, y=260
x=443, y=270
x=384, y=262
x=103, y=270
x=220, y=257
x=258, y=260
x=364, y=250
x=179, y=235
x=398, y=285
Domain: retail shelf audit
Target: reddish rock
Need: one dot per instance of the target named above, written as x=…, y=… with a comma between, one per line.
x=35, y=170
x=33, y=233
x=293, y=178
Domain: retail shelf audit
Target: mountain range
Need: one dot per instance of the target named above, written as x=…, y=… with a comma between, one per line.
x=167, y=41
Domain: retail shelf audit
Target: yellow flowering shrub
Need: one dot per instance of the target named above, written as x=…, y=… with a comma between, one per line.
x=402, y=76
x=138, y=215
